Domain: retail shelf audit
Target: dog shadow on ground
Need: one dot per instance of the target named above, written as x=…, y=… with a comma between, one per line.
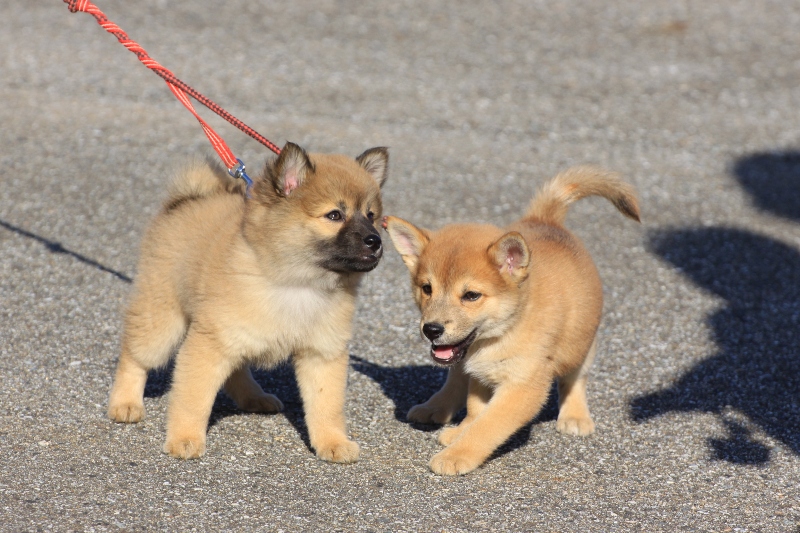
x=410, y=385
x=279, y=381
x=405, y=386
x=756, y=370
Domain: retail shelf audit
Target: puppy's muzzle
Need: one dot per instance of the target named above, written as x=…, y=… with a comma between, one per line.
x=432, y=330
x=373, y=242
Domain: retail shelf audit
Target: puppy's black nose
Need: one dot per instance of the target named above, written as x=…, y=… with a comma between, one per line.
x=373, y=241
x=432, y=330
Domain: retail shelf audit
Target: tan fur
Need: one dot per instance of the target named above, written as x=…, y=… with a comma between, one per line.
x=535, y=320
x=236, y=281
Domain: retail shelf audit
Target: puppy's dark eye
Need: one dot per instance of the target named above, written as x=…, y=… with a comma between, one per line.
x=471, y=296
x=335, y=215
x=370, y=216
x=427, y=289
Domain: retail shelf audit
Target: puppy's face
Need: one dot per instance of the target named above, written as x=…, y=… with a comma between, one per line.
x=326, y=206
x=466, y=281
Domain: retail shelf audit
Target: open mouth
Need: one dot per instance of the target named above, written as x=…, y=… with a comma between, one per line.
x=450, y=354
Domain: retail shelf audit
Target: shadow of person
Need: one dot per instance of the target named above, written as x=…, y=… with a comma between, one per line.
x=773, y=181
x=756, y=372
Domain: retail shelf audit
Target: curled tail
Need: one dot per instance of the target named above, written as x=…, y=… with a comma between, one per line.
x=200, y=178
x=552, y=200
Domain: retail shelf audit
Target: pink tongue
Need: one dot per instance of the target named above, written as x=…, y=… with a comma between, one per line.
x=443, y=352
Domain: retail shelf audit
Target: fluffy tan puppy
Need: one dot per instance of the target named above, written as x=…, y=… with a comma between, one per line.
x=508, y=310
x=239, y=280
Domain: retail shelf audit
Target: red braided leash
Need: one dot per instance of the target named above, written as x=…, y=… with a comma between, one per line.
x=180, y=90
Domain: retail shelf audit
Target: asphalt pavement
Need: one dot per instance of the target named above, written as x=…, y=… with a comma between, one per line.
x=696, y=387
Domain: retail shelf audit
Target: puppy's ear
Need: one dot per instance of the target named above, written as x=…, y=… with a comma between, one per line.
x=510, y=253
x=408, y=239
x=376, y=162
x=290, y=169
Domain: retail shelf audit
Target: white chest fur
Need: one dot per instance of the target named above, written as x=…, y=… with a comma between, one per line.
x=281, y=320
x=298, y=308
x=489, y=362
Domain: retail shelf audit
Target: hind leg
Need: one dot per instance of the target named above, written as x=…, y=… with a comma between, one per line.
x=151, y=332
x=573, y=412
x=248, y=394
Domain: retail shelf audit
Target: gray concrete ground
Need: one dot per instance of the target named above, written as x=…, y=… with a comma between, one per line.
x=696, y=387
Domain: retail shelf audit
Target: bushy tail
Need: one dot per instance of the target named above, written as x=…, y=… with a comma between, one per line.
x=200, y=178
x=552, y=200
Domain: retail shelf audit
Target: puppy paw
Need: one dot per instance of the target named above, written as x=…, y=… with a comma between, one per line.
x=341, y=451
x=428, y=414
x=448, y=435
x=449, y=462
x=126, y=412
x=185, y=448
x=266, y=403
x=575, y=426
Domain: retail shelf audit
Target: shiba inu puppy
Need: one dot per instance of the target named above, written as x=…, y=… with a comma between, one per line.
x=508, y=310
x=238, y=279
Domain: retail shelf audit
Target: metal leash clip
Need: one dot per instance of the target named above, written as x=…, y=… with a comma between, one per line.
x=237, y=171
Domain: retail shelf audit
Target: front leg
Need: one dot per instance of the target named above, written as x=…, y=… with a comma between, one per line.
x=511, y=407
x=322, y=381
x=200, y=370
x=478, y=396
x=449, y=400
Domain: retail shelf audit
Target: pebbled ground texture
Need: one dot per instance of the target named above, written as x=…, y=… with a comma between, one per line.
x=696, y=387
